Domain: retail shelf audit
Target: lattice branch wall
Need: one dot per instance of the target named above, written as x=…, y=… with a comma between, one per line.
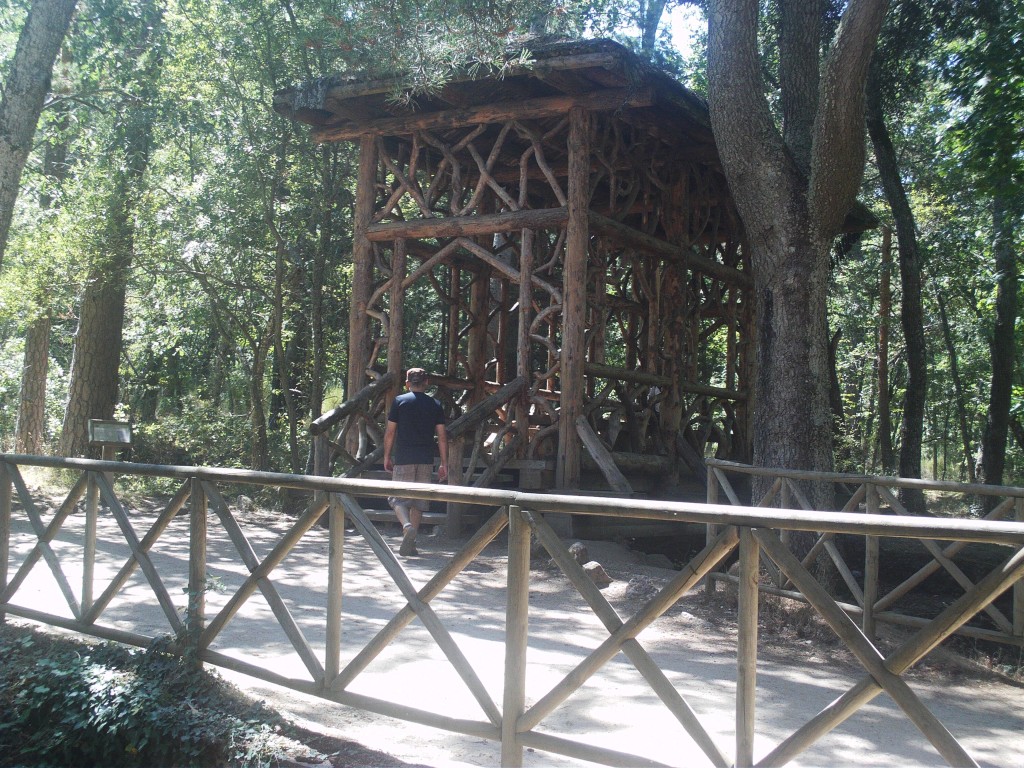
x=473, y=221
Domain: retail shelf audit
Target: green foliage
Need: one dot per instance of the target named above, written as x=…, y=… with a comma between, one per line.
x=63, y=703
x=201, y=434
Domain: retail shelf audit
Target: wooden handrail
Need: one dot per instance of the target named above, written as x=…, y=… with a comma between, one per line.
x=351, y=405
x=949, y=529
x=851, y=479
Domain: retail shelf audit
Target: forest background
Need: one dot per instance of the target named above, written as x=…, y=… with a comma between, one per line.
x=180, y=255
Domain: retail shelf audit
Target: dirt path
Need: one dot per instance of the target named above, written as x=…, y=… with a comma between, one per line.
x=694, y=644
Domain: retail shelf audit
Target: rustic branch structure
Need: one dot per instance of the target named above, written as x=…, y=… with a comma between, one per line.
x=572, y=226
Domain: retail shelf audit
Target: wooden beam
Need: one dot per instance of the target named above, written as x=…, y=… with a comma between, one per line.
x=552, y=106
x=574, y=302
x=640, y=377
x=396, y=320
x=362, y=277
x=351, y=405
x=485, y=408
x=657, y=247
x=467, y=226
x=602, y=457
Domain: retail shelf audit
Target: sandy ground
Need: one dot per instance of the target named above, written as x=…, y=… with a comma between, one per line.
x=694, y=644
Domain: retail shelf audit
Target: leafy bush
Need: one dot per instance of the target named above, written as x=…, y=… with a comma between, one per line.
x=65, y=703
x=201, y=435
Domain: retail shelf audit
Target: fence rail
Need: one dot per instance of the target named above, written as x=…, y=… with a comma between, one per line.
x=875, y=495
x=755, y=535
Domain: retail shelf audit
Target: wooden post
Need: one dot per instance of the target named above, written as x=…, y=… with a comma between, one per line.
x=396, y=324
x=456, y=452
x=362, y=277
x=195, y=618
x=524, y=366
x=501, y=345
x=1018, y=588
x=455, y=292
x=574, y=308
x=5, y=529
x=710, y=583
x=785, y=502
x=335, y=579
x=477, y=356
x=92, y=507
x=92, y=503
x=871, y=563
x=746, y=651
x=516, y=637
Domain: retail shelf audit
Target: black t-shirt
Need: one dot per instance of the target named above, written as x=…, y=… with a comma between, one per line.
x=417, y=415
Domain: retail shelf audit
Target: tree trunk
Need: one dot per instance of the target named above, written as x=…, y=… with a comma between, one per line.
x=790, y=215
x=94, y=366
x=259, y=457
x=1002, y=344
x=97, y=355
x=24, y=93
x=958, y=387
x=31, y=429
x=30, y=432
x=884, y=310
x=911, y=310
x=651, y=20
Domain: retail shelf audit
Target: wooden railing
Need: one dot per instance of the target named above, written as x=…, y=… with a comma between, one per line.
x=753, y=533
x=874, y=600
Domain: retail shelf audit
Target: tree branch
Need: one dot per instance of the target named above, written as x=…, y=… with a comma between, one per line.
x=837, y=161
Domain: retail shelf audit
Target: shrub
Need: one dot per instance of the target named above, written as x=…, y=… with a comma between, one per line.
x=65, y=703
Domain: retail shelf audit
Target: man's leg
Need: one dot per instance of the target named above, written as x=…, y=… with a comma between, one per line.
x=408, y=516
x=420, y=473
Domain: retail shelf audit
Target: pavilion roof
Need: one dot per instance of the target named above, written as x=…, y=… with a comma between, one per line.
x=590, y=72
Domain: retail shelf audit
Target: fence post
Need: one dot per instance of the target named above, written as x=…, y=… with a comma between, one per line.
x=92, y=506
x=195, y=618
x=516, y=637
x=1018, y=588
x=746, y=650
x=710, y=583
x=6, y=485
x=785, y=502
x=335, y=574
x=871, y=564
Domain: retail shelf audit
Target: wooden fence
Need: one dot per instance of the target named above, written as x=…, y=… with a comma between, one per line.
x=754, y=534
x=874, y=600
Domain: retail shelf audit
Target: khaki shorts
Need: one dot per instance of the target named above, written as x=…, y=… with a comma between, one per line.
x=411, y=473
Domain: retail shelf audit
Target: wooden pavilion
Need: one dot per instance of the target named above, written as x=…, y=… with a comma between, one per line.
x=572, y=225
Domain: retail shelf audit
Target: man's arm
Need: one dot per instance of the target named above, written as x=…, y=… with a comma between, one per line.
x=389, y=443
x=442, y=448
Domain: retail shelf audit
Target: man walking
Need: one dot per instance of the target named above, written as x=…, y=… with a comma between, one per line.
x=415, y=419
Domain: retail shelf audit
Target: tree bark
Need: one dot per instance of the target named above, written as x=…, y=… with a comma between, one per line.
x=1002, y=344
x=790, y=218
x=911, y=309
x=24, y=94
x=94, y=364
x=30, y=433
x=31, y=430
x=651, y=20
x=958, y=387
x=884, y=309
x=93, y=388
